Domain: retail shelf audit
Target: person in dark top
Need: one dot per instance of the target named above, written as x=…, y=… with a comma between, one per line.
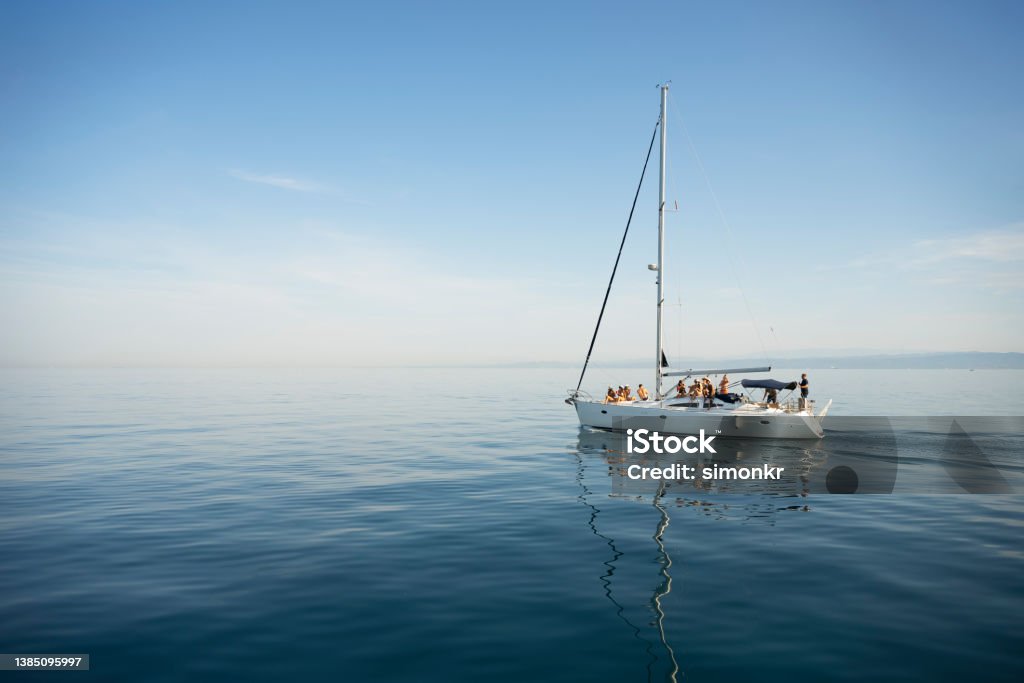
x=804, y=390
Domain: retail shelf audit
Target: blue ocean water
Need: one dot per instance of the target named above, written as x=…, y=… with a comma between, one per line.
x=456, y=525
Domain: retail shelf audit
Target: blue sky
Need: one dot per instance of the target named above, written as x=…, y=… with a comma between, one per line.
x=387, y=183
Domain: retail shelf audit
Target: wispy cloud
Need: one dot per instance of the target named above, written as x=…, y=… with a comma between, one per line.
x=320, y=297
x=988, y=258
x=1002, y=245
x=284, y=182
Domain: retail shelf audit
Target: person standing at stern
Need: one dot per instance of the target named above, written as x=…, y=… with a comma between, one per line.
x=804, y=390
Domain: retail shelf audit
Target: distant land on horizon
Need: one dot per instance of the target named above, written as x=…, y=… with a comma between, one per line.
x=957, y=360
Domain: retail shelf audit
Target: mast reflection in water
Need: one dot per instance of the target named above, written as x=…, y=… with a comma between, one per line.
x=655, y=664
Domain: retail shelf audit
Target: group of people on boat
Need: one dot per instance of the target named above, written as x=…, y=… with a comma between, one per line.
x=625, y=394
x=705, y=390
x=701, y=388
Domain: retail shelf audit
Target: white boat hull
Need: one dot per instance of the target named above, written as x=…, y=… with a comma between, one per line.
x=743, y=420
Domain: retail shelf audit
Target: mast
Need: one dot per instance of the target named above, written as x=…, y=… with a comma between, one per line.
x=661, y=246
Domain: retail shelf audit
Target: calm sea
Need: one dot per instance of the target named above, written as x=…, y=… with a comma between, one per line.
x=456, y=525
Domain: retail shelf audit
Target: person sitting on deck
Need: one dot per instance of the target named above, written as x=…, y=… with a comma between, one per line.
x=642, y=393
x=695, y=389
x=680, y=389
x=610, y=397
x=708, y=390
x=627, y=394
x=723, y=386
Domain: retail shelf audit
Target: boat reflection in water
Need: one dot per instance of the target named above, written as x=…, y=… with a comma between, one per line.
x=860, y=456
x=958, y=455
x=602, y=456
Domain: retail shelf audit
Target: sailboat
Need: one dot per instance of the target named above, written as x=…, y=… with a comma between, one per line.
x=723, y=414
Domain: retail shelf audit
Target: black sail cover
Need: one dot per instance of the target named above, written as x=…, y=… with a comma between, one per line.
x=767, y=384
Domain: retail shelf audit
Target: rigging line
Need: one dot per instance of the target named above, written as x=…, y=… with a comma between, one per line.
x=671, y=190
x=619, y=256
x=605, y=374
x=778, y=344
x=725, y=222
x=679, y=329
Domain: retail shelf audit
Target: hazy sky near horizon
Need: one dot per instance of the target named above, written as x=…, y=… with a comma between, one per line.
x=305, y=183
